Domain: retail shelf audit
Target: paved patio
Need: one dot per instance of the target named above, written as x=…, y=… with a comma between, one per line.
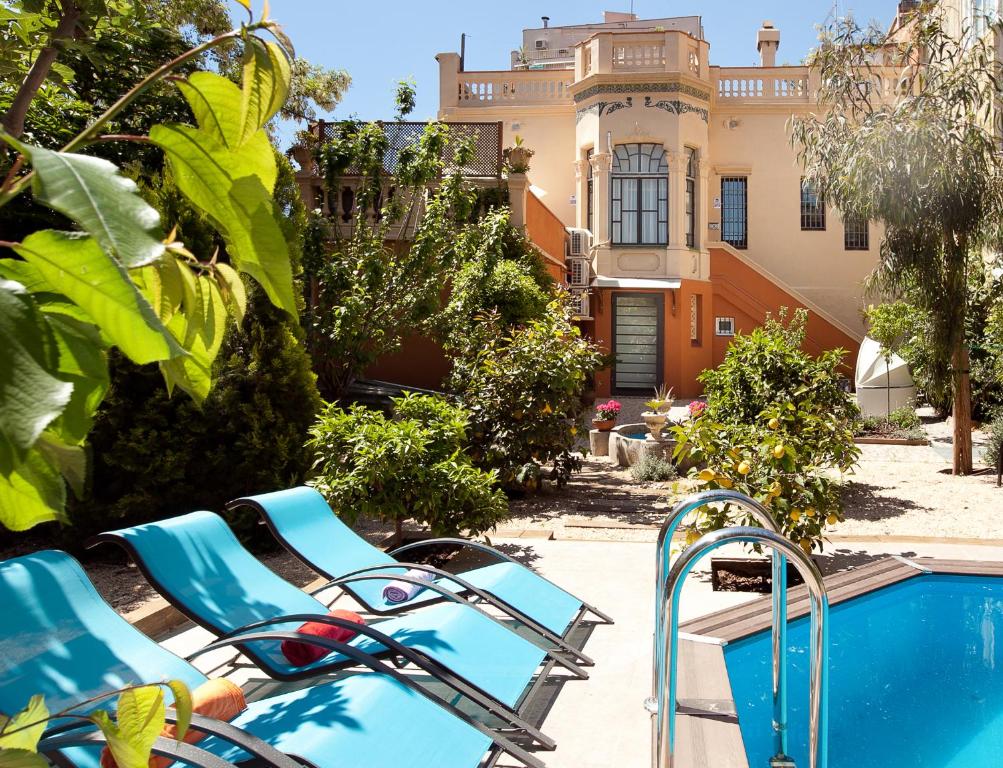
x=600, y=722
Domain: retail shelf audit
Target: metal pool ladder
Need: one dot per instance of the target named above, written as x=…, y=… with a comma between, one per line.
x=666, y=633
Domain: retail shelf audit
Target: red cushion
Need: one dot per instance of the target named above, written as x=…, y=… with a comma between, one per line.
x=300, y=654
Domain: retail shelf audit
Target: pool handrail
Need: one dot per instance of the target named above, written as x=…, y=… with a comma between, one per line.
x=765, y=518
x=665, y=731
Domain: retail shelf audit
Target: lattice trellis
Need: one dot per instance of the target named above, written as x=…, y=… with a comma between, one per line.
x=487, y=156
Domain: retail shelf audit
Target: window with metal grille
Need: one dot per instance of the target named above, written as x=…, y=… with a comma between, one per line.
x=812, y=208
x=589, y=191
x=724, y=326
x=856, y=236
x=639, y=211
x=735, y=211
x=691, y=187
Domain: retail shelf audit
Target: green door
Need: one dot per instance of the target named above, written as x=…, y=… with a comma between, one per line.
x=637, y=342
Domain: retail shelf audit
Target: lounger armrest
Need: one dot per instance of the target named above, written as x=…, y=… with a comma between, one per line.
x=248, y=742
x=457, y=542
x=175, y=750
x=373, y=573
x=427, y=664
x=376, y=666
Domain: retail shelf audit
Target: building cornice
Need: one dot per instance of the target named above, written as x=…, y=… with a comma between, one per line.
x=638, y=83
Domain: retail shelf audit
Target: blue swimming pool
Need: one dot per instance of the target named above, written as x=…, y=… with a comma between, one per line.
x=916, y=679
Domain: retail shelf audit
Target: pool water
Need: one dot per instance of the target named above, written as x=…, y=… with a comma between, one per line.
x=635, y=435
x=916, y=679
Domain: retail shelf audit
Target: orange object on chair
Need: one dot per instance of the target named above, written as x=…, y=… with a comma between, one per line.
x=219, y=699
x=301, y=654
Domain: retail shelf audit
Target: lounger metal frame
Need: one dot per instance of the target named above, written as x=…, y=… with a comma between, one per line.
x=239, y=637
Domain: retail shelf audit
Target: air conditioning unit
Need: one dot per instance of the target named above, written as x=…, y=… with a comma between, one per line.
x=541, y=45
x=580, y=304
x=579, y=242
x=578, y=273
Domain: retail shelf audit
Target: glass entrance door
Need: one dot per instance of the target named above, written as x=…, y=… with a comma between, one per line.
x=637, y=341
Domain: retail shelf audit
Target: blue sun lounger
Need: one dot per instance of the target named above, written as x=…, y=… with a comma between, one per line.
x=197, y=563
x=58, y=637
x=301, y=519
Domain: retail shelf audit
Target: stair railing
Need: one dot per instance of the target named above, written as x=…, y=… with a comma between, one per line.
x=663, y=744
x=764, y=517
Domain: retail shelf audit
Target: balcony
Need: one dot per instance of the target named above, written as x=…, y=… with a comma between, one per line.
x=492, y=89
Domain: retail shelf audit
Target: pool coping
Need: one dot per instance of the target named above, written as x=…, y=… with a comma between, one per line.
x=709, y=739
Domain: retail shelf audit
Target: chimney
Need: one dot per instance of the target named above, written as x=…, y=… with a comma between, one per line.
x=768, y=43
x=546, y=21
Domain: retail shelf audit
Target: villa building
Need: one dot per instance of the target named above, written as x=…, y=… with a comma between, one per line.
x=680, y=189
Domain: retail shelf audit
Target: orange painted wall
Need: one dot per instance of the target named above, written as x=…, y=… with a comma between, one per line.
x=547, y=232
x=736, y=290
x=682, y=360
x=741, y=292
x=420, y=362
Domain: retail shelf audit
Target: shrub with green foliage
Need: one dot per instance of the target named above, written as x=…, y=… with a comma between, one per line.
x=523, y=388
x=156, y=455
x=653, y=469
x=995, y=444
x=411, y=465
x=776, y=426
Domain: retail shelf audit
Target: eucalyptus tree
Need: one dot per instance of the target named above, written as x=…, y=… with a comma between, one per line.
x=906, y=134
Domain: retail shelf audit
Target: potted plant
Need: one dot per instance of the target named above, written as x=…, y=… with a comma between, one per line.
x=658, y=410
x=517, y=157
x=606, y=414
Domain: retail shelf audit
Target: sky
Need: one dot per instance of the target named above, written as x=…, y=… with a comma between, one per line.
x=380, y=42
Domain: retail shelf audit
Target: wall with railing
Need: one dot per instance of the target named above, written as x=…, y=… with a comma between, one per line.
x=547, y=232
x=489, y=89
x=797, y=85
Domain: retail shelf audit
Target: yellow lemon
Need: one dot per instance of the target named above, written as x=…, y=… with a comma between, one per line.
x=692, y=536
x=574, y=431
x=776, y=489
x=806, y=546
x=810, y=512
x=744, y=468
x=547, y=408
x=779, y=451
x=723, y=481
x=795, y=515
x=832, y=520
x=774, y=423
x=707, y=475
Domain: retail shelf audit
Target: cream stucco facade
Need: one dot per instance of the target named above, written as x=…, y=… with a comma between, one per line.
x=633, y=81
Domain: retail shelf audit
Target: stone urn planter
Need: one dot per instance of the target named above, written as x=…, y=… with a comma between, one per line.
x=655, y=421
x=603, y=425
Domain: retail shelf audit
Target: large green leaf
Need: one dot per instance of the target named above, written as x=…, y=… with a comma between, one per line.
x=31, y=395
x=21, y=758
x=182, y=705
x=91, y=192
x=29, y=723
x=225, y=184
x=33, y=493
x=140, y=717
x=215, y=102
x=266, y=79
x=81, y=271
x=83, y=362
x=69, y=459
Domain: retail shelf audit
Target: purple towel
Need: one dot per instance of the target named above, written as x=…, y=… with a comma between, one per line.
x=402, y=591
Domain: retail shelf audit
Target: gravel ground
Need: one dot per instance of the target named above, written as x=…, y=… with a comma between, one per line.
x=896, y=491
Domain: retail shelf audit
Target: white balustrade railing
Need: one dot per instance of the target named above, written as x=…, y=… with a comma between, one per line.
x=758, y=84
x=638, y=56
x=493, y=88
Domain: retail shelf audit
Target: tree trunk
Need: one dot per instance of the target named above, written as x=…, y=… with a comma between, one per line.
x=962, y=410
x=13, y=120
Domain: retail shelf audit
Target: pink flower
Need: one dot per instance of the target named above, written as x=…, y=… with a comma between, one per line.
x=607, y=410
x=696, y=408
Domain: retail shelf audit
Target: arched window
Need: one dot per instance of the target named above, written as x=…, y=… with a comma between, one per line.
x=640, y=195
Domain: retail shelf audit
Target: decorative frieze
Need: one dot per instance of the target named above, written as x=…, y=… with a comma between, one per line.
x=604, y=107
x=676, y=107
x=625, y=88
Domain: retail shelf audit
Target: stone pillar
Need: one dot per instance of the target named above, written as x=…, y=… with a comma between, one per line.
x=581, y=192
x=601, y=164
x=518, y=189
x=449, y=70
